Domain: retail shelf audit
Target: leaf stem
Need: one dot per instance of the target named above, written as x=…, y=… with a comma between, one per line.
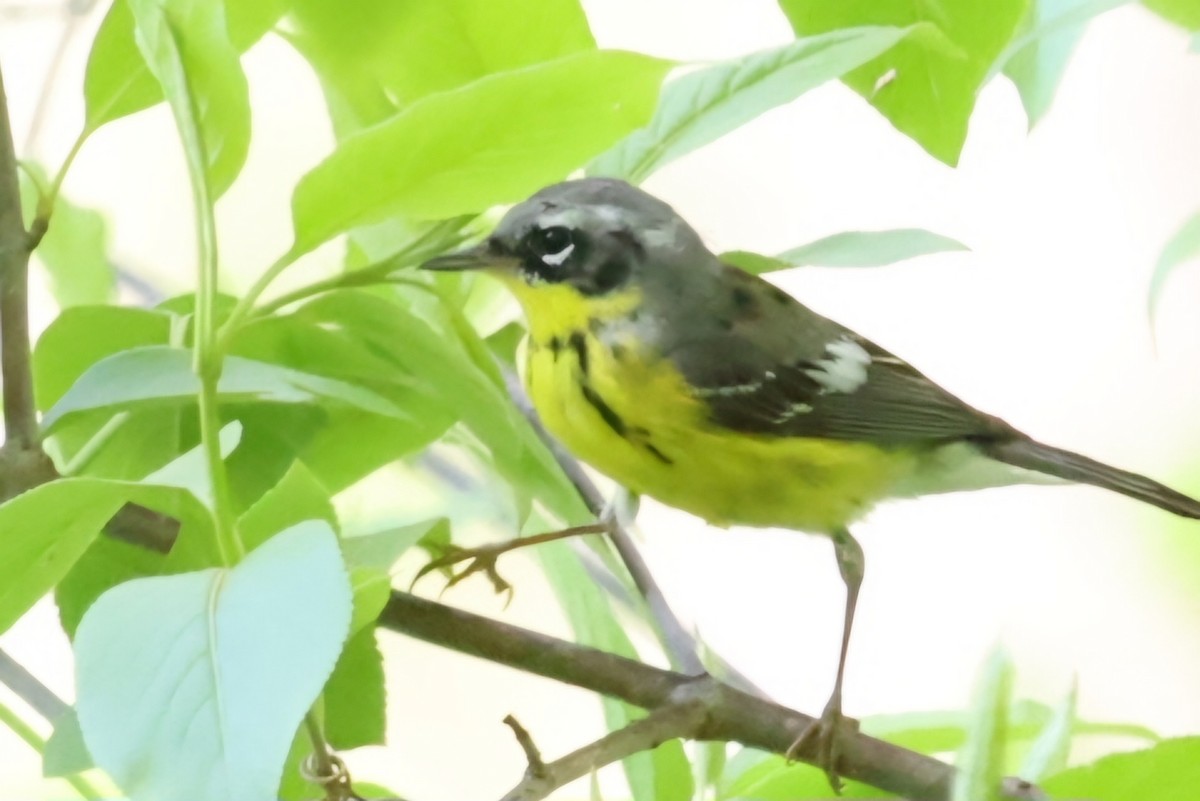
x=38, y=743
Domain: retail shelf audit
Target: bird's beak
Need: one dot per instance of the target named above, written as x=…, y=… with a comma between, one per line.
x=477, y=258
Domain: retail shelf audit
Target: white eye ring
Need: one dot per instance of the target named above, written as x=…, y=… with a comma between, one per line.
x=557, y=259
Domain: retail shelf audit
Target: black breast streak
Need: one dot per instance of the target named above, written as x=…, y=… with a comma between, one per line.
x=611, y=418
x=578, y=343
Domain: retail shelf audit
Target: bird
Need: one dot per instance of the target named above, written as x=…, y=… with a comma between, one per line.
x=706, y=387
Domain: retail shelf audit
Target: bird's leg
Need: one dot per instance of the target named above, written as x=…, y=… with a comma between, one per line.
x=830, y=727
x=483, y=558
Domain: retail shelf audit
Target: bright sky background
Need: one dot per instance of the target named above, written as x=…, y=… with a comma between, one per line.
x=1042, y=323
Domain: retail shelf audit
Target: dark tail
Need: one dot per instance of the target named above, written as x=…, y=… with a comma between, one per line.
x=1073, y=467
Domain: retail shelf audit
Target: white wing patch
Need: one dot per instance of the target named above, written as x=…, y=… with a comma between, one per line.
x=844, y=370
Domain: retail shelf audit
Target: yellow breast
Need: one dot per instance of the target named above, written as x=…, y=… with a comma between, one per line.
x=631, y=416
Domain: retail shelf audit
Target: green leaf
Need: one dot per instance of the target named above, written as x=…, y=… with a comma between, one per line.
x=1037, y=57
x=74, y=250
x=187, y=48
x=473, y=147
x=104, y=565
x=372, y=587
x=1182, y=248
x=380, y=549
x=1170, y=771
x=1050, y=750
x=356, y=698
x=163, y=375
x=981, y=761
x=200, y=680
x=772, y=778
x=375, y=56
x=926, y=85
x=118, y=83
x=869, y=248
x=297, y=497
x=65, y=752
x=45, y=531
x=703, y=106
x=1185, y=13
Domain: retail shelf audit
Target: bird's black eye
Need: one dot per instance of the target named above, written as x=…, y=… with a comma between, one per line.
x=553, y=245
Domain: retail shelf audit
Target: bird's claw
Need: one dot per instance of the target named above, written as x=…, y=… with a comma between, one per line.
x=822, y=740
x=479, y=560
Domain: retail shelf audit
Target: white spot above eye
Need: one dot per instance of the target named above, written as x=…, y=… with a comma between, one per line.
x=846, y=368
x=557, y=259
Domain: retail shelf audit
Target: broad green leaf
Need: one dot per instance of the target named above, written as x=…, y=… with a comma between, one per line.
x=297, y=497
x=703, y=106
x=380, y=549
x=104, y=565
x=163, y=375
x=82, y=336
x=1037, y=57
x=74, y=250
x=769, y=777
x=187, y=49
x=355, y=699
x=45, y=531
x=1182, y=248
x=1048, y=753
x=1170, y=771
x=981, y=761
x=1185, y=13
x=376, y=56
x=372, y=587
x=117, y=82
x=926, y=85
x=65, y=752
x=473, y=147
x=200, y=680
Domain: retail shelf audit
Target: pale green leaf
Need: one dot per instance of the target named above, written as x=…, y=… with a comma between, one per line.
x=200, y=680
x=163, y=375
x=117, y=82
x=981, y=761
x=704, y=105
x=376, y=56
x=355, y=699
x=473, y=147
x=869, y=248
x=926, y=85
x=187, y=49
x=1037, y=57
x=1048, y=753
x=381, y=549
x=297, y=497
x=1170, y=771
x=1182, y=248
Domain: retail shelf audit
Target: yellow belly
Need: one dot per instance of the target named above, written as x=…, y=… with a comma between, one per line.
x=637, y=423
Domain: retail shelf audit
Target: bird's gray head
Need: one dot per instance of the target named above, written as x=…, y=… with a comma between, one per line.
x=594, y=234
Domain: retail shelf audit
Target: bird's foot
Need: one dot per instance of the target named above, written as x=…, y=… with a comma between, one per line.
x=821, y=742
x=478, y=560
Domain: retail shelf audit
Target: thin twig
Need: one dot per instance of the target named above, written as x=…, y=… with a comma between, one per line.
x=28, y=688
x=535, y=766
x=679, y=719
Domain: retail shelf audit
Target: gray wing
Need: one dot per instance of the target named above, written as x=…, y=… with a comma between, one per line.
x=765, y=364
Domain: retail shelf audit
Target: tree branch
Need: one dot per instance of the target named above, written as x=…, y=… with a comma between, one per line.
x=730, y=715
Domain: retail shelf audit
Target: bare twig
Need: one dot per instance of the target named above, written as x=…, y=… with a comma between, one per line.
x=25, y=685
x=535, y=766
x=681, y=718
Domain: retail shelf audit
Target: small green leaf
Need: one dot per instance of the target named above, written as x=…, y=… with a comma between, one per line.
x=163, y=375
x=1185, y=13
x=926, y=85
x=355, y=697
x=65, y=751
x=187, y=48
x=769, y=777
x=471, y=148
x=869, y=248
x=1038, y=55
x=200, y=680
x=1182, y=248
x=1048, y=753
x=107, y=563
x=703, y=106
x=381, y=549
x=981, y=761
x=117, y=82
x=297, y=497
x=383, y=55
x=1170, y=771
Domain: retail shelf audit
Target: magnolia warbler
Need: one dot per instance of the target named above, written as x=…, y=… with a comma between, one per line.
x=712, y=390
